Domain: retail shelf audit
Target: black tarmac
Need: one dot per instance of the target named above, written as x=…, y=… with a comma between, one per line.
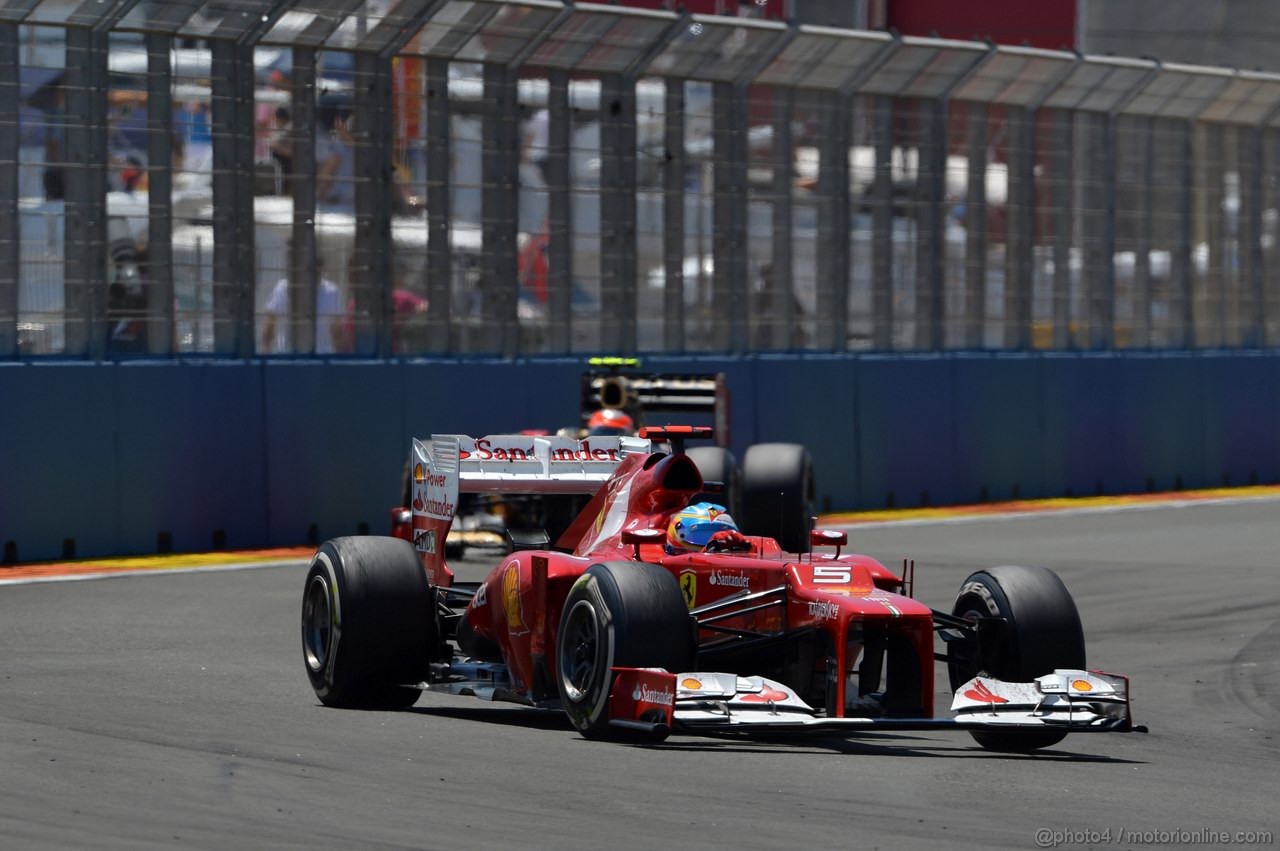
x=163, y=711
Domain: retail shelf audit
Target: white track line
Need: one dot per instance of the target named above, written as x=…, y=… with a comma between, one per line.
x=854, y=527
x=153, y=571
x=1050, y=513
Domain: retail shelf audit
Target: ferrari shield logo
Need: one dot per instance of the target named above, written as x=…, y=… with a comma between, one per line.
x=511, y=599
x=689, y=585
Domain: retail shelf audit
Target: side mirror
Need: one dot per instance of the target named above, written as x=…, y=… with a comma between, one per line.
x=636, y=537
x=828, y=538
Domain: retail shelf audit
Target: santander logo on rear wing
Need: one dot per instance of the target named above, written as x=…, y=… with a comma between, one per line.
x=449, y=464
x=516, y=463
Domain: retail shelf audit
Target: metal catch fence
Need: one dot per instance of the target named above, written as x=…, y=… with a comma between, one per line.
x=522, y=177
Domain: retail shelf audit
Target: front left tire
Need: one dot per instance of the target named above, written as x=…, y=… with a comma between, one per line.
x=368, y=623
x=618, y=614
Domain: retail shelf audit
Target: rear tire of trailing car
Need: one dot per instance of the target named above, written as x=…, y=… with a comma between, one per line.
x=778, y=495
x=717, y=464
x=618, y=614
x=368, y=623
x=1043, y=632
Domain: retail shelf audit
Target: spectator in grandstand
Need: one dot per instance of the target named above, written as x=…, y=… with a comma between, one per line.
x=335, y=162
x=194, y=136
x=127, y=300
x=277, y=329
x=405, y=306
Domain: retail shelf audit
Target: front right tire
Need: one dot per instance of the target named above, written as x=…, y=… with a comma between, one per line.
x=1042, y=632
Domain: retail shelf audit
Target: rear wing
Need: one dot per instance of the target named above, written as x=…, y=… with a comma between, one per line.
x=643, y=395
x=525, y=464
x=449, y=464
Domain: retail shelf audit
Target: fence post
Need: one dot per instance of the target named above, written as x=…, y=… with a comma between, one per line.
x=1252, y=263
x=559, y=214
x=374, y=184
x=234, y=272
x=618, y=213
x=440, y=336
x=1019, y=229
x=729, y=328
x=931, y=188
x=832, y=315
x=1063, y=215
x=160, y=289
x=1141, y=338
x=1182, y=270
x=1215, y=233
x=975, y=219
x=304, y=276
x=673, y=218
x=499, y=164
x=780, y=296
x=1100, y=230
x=86, y=218
x=882, y=226
x=10, y=231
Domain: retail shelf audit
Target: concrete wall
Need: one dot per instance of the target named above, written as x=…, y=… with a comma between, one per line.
x=109, y=458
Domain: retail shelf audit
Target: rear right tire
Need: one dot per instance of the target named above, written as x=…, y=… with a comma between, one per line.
x=717, y=464
x=778, y=494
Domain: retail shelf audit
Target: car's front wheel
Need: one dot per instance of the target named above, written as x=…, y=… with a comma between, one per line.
x=618, y=614
x=1041, y=632
x=368, y=623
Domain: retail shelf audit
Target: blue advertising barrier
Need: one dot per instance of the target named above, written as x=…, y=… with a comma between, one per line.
x=139, y=456
x=905, y=432
x=1083, y=425
x=1241, y=411
x=192, y=456
x=59, y=465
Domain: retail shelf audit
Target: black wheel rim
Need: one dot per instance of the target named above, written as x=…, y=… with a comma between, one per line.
x=579, y=649
x=317, y=623
x=963, y=655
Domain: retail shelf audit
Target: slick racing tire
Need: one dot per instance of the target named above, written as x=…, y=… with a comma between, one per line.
x=368, y=623
x=778, y=495
x=1042, y=632
x=618, y=613
x=717, y=464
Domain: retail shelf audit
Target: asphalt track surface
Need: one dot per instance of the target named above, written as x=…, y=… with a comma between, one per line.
x=172, y=710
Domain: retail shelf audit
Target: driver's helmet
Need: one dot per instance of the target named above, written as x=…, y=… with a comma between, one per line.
x=691, y=528
x=610, y=422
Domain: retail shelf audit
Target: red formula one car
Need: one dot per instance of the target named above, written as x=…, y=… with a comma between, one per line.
x=629, y=639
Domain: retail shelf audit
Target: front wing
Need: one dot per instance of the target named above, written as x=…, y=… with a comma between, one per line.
x=1069, y=700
